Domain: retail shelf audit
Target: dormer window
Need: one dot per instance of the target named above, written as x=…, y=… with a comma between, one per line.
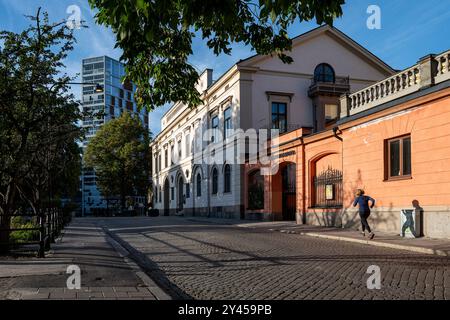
x=324, y=73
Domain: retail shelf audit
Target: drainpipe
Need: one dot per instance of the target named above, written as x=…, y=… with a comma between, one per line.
x=304, y=177
x=335, y=133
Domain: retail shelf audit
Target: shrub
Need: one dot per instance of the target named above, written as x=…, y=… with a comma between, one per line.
x=23, y=235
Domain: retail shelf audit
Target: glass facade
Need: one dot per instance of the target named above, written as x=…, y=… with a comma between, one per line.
x=103, y=106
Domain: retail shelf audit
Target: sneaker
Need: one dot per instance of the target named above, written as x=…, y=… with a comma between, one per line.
x=363, y=234
x=371, y=235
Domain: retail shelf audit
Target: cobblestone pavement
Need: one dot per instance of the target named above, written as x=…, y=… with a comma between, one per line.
x=213, y=261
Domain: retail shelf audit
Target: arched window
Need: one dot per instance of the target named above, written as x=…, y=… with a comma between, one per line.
x=255, y=190
x=227, y=178
x=199, y=185
x=324, y=73
x=215, y=181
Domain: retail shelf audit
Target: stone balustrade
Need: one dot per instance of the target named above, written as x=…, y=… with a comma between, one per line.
x=443, y=67
x=429, y=71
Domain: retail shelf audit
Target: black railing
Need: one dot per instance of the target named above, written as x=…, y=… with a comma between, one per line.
x=40, y=230
x=328, y=189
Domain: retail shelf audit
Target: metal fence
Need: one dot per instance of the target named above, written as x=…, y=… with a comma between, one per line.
x=41, y=230
x=328, y=189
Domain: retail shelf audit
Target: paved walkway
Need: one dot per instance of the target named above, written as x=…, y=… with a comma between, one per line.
x=382, y=239
x=106, y=271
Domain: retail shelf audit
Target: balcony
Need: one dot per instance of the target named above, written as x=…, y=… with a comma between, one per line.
x=430, y=70
x=340, y=86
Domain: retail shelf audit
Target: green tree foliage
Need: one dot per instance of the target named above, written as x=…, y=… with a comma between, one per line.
x=156, y=36
x=120, y=155
x=39, y=155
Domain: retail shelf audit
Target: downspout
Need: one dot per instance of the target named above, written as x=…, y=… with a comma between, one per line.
x=303, y=182
x=335, y=133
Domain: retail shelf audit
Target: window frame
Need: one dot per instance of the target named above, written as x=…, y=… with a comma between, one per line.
x=387, y=159
x=198, y=184
x=227, y=179
x=227, y=120
x=278, y=103
x=321, y=74
x=214, y=182
x=214, y=127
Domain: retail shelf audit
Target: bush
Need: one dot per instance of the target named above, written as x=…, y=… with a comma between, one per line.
x=23, y=235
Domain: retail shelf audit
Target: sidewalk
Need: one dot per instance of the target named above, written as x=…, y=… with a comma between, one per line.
x=106, y=272
x=423, y=245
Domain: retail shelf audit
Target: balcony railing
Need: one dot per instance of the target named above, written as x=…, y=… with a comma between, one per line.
x=340, y=86
x=429, y=71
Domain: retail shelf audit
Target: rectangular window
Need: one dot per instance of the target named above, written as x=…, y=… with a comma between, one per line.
x=215, y=127
x=227, y=125
x=171, y=155
x=188, y=190
x=398, y=157
x=166, y=158
x=188, y=144
x=331, y=112
x=172, y=193
x=279, y=116
x=179, y=150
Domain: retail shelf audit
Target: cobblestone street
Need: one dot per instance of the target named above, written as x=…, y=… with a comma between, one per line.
x=205, y=260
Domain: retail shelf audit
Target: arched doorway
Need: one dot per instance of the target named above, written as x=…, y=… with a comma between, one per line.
x=289, y=197
x=180, y=194
x=166, y=197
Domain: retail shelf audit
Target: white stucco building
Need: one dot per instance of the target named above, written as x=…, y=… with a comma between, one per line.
x=258, y=92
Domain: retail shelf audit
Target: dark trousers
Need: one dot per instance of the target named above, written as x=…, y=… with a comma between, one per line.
x=364, y=223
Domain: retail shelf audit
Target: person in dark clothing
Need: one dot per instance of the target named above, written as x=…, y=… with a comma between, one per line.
x=364, y=211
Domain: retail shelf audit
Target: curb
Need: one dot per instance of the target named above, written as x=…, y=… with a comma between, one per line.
x=149, y=283
x=372, y=243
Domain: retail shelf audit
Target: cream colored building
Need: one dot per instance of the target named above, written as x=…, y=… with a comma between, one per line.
x=258, y=92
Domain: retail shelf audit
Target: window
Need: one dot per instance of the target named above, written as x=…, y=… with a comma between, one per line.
x=227, y=125
x=215, y=181
x=160, y=195
x=331, y=112
x=156, y=194
x=172, y=193
x=199, y=185
x=227, y=178
x=214, y=126
x=188, y=190
x=279, y=116
x=398, y=157
x=171, y=155
x=188, y=144
x=159, y=162
x=324, y=73
x=255, y=191
x=179, y=150
x=166, y=158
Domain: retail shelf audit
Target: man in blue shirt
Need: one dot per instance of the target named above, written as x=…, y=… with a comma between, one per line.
x=364, y=211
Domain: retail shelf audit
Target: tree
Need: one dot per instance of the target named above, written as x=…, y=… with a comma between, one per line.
x=120, y=155
x=156, y=36
x=38, y=131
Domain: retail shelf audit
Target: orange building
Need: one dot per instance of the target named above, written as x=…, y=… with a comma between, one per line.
x=392, y=139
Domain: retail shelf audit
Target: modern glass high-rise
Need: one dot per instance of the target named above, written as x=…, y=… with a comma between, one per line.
x=116, y=98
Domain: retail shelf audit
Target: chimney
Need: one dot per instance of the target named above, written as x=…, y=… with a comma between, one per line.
x=205, y=80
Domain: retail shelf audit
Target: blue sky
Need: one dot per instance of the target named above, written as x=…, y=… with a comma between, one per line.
x=409, y=30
